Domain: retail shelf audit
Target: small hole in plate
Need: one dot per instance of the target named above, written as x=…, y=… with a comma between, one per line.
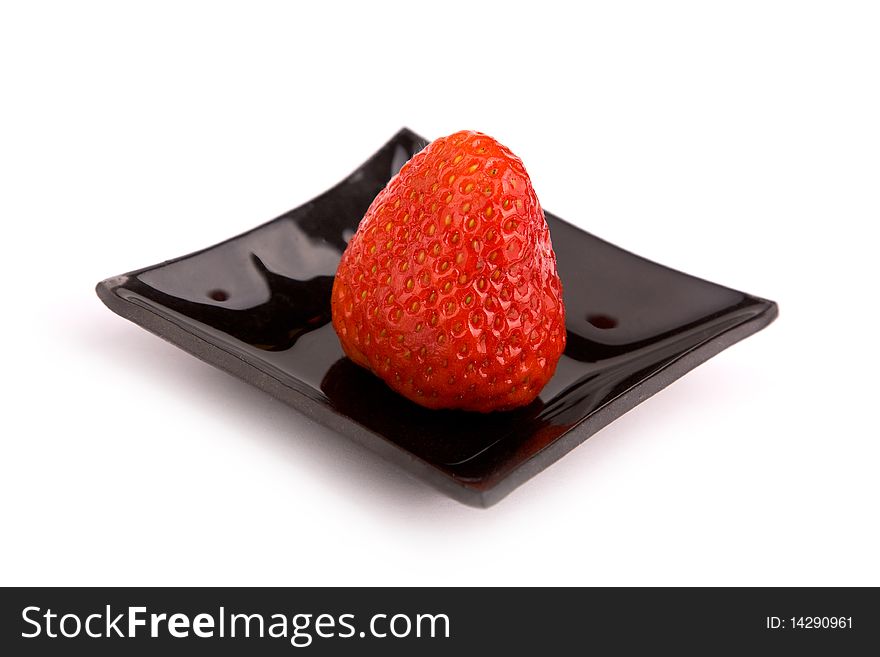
x=219, y=295
x=602, y=321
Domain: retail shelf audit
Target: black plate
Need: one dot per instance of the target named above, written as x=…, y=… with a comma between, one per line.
x=258, y=306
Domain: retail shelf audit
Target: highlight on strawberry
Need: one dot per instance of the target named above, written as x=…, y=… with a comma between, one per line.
x=448, y=291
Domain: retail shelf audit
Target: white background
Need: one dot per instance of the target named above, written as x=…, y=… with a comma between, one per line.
x=736, y=141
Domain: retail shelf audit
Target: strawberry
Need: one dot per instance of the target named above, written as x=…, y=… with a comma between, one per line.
x=448, y=290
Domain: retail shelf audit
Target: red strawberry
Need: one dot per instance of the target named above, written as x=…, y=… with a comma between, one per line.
x=448, y=290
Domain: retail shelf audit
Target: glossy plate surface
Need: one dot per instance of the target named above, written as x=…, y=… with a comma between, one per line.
x=258, y=306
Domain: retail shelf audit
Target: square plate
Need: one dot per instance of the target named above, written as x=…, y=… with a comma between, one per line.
x=258, y=307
